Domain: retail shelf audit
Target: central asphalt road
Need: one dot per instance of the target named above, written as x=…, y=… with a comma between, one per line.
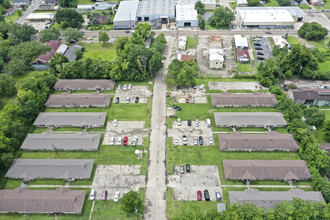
x=155, y=202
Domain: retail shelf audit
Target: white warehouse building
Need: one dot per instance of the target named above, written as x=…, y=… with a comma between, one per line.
x=125, y=17
x=186, y=16
x=156, y=10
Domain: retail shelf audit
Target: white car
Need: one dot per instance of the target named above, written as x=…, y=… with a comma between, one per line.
x=134, y=142
x=119, y=87
x=120, y=141
x=195, y=141
x=128, y=99
x=125, y=87
x=211, y=140
x=197, y=123
x=202, y=87
x=129, y=86
x=185, y=140
x=115, y=123
x=176, y=142
x=92, y=195
x=192, y=100
x=116, y=196
x=179, y=122
x=112, y=141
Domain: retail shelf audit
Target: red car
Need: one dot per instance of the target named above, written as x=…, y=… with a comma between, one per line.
x=199, y=195
x=187, y=100
x=125, y=140
x=104, y=195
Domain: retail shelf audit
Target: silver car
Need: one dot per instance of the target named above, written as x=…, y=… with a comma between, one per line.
x=116, y=196
x=181, y=169
x=115, y=123
x=112, y=141
x=129, y=86
x=176, y=142
x=119, y=87
x=134, y=142
x=211, y=140
x=185, y=140
x=120, y=141
x=125, y=87
x=128, y=99
x=179, y=122
x=197, y=123
x=195, y=141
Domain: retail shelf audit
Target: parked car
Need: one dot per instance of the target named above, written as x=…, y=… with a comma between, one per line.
x=175, y=106
x=200, y=140
x=258, y=48
x=268, y=32
x=260, y=58
x=137, y=99
x=260, y=53
x=120, y=141
x=195, y=141
x=285, y=87
x=176, y=142
x=112, y=141
x=178, y=108
x=129, y=86
x=117, y=100
x=119, y=87
x=128, y=99
x=206, y=195
x=256, y=39
x=187, y=100
x=104, y=195
x=125, y=140
x=189, y=122
x=194, y=86
x=211, y=140
x=197, y=123
x=179, y=122
x=199, y=195
x=181, y=169
x=218, y=195
x=116, y=196
x=185, y=140
x=92, y=195
x=134, y=142
x=115, y=123
x=125, y=87
x=188, y=168
x=257, y=44
x=192, y=100
x=202, y=87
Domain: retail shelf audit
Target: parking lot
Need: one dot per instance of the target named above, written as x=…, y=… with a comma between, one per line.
x=37, y=25
x=266, y=48
x=193, y=95
x=122, y=178
x=185, y=186
x=225, y=86
x=191, y=132
x=137, y=91
x=125, y=128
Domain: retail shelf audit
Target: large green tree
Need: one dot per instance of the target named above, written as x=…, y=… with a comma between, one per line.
x=222, y=17
x=314, y=116
x=142, y=31
x=268, y=73
x=49, y=34
x=326, y=130
x=70, y=34
x=200, y=7
x=253, y=2
x=68, y=17
x=183, y=73
x=68, y=3
x=7, y=85
x=22, y=32
x=103, y=37
x=131, y=202
x=201, y=22
x=312, y=31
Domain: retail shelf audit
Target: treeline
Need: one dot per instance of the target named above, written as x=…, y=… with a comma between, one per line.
x=317, y=160
x=17, y=117
x=299, y=62
x=296, y=209
x=134, y=61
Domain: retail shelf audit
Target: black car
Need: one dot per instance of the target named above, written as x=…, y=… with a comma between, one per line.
x=189, y=122
x=260, y=53
x=200, y=140
x=258, y=48
x=260, y=58
x=285, y=87
x=137, y=99
x=178, y=108
x=206, y=195
x=257, y=44
x=188, y=168
x=117, y=100
x=175, y=106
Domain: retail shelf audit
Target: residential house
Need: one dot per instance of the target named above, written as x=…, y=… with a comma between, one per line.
x=62, y=49
x=71, y=52
x=20, y=2
x=242, y=55
x=216, y=58
x=50, y=2
x=317, y=2
x=182, y=43
x=41, y=62
x=241, y=42
x=99, y=19
x=185, y=57
x=84, y=84
x=309, y=96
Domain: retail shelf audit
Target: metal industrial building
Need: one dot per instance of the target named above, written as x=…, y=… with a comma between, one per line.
x=186, y=16
x=156, y=10
x=125, y=17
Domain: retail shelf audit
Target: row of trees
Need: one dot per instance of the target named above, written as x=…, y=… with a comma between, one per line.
x=69, y=17
x=16, y=117
x=183, y=73
x=299, y=62
x=317, y=160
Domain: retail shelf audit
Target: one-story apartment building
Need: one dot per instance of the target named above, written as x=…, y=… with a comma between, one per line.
x=84, y=84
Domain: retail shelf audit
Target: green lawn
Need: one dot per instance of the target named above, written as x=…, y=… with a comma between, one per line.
x=326, y=5
x=191, y=42
x=97, y=51
x=304, y=6
x=89, y=2
x=292, y=40
x=13, y=18
x=209, y=27
x=319, y=129
x=321, y=44
x=271, y=3
x=233, y=5
x=245, y=67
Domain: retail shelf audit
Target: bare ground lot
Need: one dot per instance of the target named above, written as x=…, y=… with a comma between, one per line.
x=191, y=132
x=180, y=95
x=126, y=128
x=185, y=186
x=122, y=178
x=225, y=86
x=137, y=91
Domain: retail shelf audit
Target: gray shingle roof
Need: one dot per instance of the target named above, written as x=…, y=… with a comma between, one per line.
x=79, y=100
x=71, y=52
x=50, y=169
x=50, y=141
x=70, y=119
x=84, y=84
x=243, y=99
x=269, y=199
x=156, y=7
x=271, y=141
x=304, y=94
x=22, y=200
x=266, y=170
x=249, y=119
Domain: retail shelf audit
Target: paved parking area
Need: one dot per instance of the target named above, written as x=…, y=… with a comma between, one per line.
x=308, y=83
x=137, y=91
x=180, y=95
x=266, y=46
x=224, y=86
x=37, y=25
x=126, y=128
x=191, y=132
x=185, y=186
x=122, y=178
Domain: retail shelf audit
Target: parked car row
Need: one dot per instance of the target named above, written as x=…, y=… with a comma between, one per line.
x=177, y=107
x=104, y=196
x=125, y=87
x=192, y=100
x=182, y=168
x=123, y=141
x=258, y=48
x=208, y=122
x=197, y=141
x=128, y=99
x=207, y=195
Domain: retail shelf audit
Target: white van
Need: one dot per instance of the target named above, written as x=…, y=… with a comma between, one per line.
x=208, y=122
